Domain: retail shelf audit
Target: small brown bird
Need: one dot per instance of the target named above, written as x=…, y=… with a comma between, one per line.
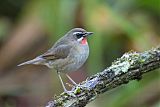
x=68, y=54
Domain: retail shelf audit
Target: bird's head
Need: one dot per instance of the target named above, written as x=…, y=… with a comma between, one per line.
x=80, y=35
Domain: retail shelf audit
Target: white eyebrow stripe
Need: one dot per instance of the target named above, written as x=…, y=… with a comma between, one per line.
x=77, y=33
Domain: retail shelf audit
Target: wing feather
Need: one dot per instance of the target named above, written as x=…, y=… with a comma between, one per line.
x=60, y=52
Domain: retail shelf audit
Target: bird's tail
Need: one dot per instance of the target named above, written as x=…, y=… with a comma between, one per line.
x=37, y=60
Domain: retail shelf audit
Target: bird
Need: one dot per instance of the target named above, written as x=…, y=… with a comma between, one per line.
x=68, y=54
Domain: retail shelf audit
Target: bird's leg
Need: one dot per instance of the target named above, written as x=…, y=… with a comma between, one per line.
x=65, y=90
x=71, y=80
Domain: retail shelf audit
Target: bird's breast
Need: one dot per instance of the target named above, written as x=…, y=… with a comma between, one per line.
x=80, y=52
x=78, y=56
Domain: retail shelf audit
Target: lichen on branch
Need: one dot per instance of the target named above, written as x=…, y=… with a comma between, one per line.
x=130, y=66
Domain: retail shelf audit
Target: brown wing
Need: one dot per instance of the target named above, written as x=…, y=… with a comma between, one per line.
x=59, y=52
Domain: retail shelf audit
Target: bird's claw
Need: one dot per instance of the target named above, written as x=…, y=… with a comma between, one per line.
x=70, y=93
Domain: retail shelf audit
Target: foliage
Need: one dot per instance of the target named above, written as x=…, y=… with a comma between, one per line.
x=29, y=28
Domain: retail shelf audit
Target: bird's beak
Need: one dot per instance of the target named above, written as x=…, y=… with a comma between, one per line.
x=88, y=33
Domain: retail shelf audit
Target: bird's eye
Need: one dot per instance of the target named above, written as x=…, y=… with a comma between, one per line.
x=78, y=34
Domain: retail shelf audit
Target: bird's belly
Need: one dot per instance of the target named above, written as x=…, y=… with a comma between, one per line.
x=71, y=63
x=77, y=62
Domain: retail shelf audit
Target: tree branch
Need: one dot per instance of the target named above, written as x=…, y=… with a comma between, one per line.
x=131, y=66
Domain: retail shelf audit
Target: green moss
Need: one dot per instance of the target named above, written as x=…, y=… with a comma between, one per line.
x=77, y=91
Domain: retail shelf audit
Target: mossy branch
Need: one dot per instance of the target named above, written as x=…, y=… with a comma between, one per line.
x=130, y=66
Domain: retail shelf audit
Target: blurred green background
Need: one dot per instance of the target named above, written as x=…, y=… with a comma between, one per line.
x=30, y=27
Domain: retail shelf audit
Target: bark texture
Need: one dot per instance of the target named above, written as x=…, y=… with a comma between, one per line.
x=131, y=66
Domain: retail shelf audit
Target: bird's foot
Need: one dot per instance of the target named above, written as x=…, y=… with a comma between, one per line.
x=69, y=93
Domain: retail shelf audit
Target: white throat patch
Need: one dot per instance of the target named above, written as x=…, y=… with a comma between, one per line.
x=80, y=39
